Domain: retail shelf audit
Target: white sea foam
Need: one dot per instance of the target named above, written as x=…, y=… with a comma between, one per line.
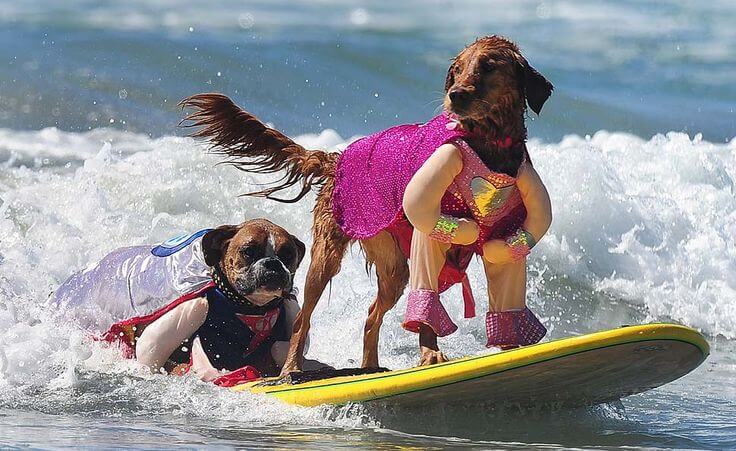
x=649, y=222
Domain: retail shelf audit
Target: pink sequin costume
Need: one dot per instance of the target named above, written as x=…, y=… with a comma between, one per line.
x=373, y=172
x=371, y=177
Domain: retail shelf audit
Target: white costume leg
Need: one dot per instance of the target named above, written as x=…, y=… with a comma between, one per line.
x=426, y=259
x=509, y=323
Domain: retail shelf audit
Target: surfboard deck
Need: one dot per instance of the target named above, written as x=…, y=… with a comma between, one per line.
x=571, y=372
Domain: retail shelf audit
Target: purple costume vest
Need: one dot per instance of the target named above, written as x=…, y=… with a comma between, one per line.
x=133, y=286
x=373, y=172
x=135, y=281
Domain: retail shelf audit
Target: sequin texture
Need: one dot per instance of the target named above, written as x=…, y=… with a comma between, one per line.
x=373, y=172
x=521, y=243
x=513, y=328
x=489, y=195
x=445, y=229
x=424, y=307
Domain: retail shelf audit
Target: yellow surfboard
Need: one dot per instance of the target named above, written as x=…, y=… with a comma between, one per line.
x=583, y=370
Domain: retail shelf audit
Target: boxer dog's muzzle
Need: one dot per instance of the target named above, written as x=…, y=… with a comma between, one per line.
x=258, y=258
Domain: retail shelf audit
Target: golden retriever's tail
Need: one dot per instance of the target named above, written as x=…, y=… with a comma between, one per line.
x=251, y=146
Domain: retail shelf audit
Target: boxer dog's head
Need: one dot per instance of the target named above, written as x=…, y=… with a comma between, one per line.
x=257, y=257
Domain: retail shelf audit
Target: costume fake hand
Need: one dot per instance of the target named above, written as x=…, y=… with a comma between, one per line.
x=497, y=252
x=467, y=231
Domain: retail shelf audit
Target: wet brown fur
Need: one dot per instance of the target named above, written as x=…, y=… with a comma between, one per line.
x=501, y=84
x=251, y=146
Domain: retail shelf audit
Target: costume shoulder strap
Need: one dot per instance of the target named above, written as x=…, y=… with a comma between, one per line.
x=177, y=243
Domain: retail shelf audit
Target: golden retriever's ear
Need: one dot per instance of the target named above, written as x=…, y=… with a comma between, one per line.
x=450, y=79
x=301, y=250
x=214, y=243
x=537, y=89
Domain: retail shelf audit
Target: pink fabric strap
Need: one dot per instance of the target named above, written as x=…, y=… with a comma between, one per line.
x=513, y=328
x=424, y=307
x=468, y=299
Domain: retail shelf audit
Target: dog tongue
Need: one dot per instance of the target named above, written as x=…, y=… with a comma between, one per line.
x=263, y=297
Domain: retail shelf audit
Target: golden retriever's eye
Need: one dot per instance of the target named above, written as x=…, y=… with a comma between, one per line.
x=456, y=69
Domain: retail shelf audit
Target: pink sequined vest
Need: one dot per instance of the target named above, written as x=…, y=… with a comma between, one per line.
x=372, y=174
x=490, y=196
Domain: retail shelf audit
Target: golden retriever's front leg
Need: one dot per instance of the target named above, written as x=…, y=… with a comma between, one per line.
x=328, y=250
x=429, y=351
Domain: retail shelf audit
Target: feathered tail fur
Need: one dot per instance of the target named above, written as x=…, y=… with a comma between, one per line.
x=251, y=146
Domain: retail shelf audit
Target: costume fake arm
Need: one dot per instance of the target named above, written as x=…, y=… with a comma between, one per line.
x=201, y=365
x=280, y=349
x=425, y=190
x=160, y=338
x=538, y=219
x=536, y=200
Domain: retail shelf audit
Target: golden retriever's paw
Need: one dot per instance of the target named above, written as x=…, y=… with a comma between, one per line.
x=430, y=357
x=286, y=370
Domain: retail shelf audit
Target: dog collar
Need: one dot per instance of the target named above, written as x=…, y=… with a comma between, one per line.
x=227, y=289
x=505, y=144
x=222, y=284
x=455, y=124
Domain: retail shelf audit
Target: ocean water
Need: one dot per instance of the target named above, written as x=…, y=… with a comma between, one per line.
x=637, y=147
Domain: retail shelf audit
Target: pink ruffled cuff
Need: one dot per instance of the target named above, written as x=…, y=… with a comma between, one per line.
x=424, y=307
x=513, y=328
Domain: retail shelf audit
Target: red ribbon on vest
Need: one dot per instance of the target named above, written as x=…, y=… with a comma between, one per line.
x=468, y=299
x=239, y=376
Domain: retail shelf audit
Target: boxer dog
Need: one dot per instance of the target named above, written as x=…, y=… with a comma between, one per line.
x=218, y=302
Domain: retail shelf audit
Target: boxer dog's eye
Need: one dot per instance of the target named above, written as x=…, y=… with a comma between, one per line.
x=251, y=252
x=286, y=255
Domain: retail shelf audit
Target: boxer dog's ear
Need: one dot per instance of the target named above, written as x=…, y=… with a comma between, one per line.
x=301, y=250
x=215, y=242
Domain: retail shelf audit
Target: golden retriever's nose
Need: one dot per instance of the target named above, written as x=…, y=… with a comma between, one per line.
x=460, y=97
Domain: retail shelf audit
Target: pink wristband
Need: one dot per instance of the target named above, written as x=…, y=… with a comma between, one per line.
x=521, y=243
x=445, y=229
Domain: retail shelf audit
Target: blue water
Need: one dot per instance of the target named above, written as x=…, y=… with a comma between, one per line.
x=636, y=66
x=636, y=146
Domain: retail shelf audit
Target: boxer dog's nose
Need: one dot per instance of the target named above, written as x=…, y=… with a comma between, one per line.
x=273, y=264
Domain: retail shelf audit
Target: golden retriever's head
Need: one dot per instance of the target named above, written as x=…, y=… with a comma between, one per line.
x=489, y=85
